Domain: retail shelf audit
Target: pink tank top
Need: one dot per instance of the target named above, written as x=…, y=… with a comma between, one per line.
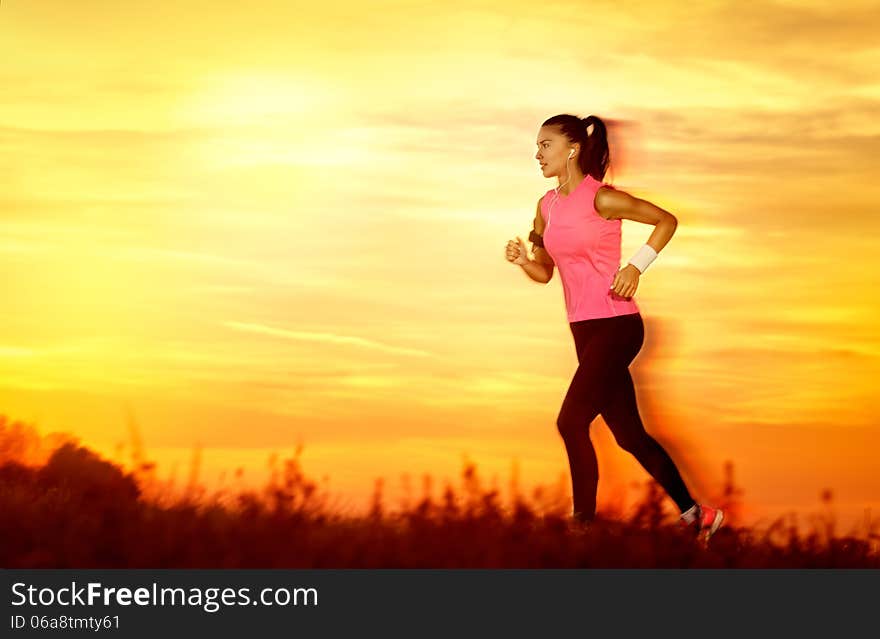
x=586, y=249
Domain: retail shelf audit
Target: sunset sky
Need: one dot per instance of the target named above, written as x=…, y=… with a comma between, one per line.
x=257, y=226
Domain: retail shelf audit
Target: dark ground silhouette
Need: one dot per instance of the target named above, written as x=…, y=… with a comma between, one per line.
x=63, y=506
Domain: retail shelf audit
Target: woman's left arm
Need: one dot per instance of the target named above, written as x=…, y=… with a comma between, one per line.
x=620, y=205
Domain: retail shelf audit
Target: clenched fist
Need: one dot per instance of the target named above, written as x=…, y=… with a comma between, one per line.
x=626, y=281
x=517, y=252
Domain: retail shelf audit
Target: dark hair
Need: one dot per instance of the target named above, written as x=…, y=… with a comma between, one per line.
x=594, y=156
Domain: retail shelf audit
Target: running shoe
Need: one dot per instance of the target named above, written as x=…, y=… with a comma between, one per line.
x=707, y=522
x=710, y=521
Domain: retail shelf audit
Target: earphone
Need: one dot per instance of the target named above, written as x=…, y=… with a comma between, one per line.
x=556, y=199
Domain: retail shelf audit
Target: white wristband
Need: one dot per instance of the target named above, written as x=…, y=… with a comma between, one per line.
x=643, y=257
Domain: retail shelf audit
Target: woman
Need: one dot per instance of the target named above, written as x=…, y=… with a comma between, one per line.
x=578, y=228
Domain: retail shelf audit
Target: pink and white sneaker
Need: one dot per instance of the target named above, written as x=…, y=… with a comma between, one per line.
x=707, y=521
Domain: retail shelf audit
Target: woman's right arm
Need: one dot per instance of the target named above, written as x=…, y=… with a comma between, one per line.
x=541, y=268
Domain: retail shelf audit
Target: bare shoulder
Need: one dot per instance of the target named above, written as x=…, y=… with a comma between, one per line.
x=610, y=200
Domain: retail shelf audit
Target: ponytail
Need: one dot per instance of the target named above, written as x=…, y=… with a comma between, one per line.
x=595, y=160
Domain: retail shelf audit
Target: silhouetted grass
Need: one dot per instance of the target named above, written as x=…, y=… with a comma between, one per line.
x=68, y=508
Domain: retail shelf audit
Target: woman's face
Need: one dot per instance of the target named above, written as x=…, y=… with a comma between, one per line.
x=553, y=150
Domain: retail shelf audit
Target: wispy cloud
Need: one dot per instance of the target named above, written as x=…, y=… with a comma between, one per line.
x=327, y=338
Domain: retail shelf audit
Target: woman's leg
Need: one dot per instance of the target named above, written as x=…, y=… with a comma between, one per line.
x=620, y=411
x=595, y=344
x=582, y=463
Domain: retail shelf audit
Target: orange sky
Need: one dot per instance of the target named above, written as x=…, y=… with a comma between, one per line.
x=263, y=226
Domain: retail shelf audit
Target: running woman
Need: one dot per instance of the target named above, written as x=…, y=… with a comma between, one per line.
x=577, y=228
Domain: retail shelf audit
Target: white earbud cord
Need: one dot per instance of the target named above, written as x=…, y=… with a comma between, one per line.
x=556, y=199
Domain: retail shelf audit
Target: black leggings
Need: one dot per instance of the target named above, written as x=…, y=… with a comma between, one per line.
x=602, y=385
